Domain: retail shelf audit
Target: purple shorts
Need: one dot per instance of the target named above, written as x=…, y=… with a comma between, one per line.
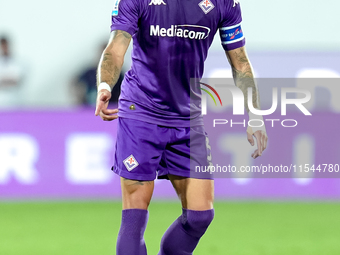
x=145, y=151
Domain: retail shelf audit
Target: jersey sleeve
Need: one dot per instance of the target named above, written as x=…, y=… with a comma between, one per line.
x=125, y=16
x=231, y=33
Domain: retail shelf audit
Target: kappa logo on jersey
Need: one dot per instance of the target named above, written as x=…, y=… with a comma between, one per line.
x=206, y=6
x=115, y=8
x=130, y=163
x=157, y=2
x=236, y=2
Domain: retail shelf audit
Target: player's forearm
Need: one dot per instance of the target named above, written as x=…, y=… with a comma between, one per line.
x=109, y=68
x=112, y=60
x=244, y=79
x=243, y=76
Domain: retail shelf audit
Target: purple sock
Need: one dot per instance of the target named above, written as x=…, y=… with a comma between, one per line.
x=131, y=234
x=183, y=235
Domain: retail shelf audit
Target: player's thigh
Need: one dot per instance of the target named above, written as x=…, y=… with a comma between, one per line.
x=195, y=194
x=136, y=194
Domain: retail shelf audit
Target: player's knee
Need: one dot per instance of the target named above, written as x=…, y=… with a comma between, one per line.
x=197, y=222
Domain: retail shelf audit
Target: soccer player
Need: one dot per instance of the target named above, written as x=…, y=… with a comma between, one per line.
x=160, y=128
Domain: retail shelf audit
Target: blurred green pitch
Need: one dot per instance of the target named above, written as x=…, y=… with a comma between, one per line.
x=239, y=228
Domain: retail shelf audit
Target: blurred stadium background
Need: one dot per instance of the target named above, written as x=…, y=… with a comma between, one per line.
x=57, y=195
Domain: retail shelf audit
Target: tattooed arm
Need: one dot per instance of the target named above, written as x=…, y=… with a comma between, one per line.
x=112, y=59
x=243, y=75
x=244, y=78
x=110, y=66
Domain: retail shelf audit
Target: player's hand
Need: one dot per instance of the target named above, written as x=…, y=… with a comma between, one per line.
x=103, y=99
x=261, y=140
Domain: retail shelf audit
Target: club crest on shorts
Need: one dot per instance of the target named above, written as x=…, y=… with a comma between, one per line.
x=206, y=6
x=130, y=163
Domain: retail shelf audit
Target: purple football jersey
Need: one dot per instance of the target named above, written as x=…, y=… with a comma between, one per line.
x=171, y=39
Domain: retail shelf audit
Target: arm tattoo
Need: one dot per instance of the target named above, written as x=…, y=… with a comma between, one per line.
x=244, y=78
x=109, y=71
x=126, y=34
x=111, y=63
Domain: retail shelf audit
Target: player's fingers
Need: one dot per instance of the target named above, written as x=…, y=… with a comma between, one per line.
x=258, y=137
x=250, y=139
x=99, y=106
x=110, y=118
x=102, y=98
x=108, y=114
x=264, y=141
x=98, y=109
x=110, y=111
x=255, y=154
x=107, y=117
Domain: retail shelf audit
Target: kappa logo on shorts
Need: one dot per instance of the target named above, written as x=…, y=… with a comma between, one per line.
x=236, y=2
x=206, y=6
x=130, y=163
